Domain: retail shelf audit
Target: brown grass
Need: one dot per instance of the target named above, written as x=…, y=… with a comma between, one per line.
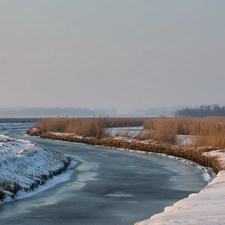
x=87, y=127
x=210, y=131
x=190, y=154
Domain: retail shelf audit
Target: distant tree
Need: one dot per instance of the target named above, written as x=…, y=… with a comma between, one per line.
x=201, y=111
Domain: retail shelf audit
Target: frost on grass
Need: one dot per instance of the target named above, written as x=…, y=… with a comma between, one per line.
x=25, y=165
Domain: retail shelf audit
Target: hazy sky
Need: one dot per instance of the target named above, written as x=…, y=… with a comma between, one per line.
x=112, y=53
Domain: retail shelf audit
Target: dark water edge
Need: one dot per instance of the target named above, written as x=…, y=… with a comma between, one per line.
x=108, y=186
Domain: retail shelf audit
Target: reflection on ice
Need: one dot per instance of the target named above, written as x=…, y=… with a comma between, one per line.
x=119, y=195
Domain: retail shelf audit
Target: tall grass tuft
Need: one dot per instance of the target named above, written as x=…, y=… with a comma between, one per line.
x=209, y=131
x=87, y=127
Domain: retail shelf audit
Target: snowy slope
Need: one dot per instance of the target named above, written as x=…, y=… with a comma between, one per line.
x=204, y=208
x=25, y=165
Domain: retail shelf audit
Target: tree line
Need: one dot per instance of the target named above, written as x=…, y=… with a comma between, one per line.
x=201, y=111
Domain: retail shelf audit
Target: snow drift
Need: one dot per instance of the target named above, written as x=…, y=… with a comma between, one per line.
x=25, y=165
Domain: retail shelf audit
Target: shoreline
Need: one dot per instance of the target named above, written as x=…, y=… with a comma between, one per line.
x=49, y=183
x=176, y=213
x=202, y=208
x=26, y=166
x=208, y=173
x=169, y=210
x=196, y=155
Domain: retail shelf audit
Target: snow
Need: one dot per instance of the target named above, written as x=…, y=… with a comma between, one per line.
x=219, y=154
x=128, y=131
x=185, y=139
x=13, y=125
x=24, y=162
x=50, y=183
x=60, y=134
x=205, y=207
x=25, y=165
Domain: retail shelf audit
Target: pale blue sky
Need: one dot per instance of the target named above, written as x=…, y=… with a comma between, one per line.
x=112, y=53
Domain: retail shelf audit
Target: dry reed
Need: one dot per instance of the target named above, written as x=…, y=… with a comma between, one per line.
x=87, y=127
x=210, y=131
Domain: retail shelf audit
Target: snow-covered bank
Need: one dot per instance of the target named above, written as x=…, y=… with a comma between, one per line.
x=202, y=208
x=24, y=166
x=205, y=207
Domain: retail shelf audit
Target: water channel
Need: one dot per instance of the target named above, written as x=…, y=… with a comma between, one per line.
x=107, y=186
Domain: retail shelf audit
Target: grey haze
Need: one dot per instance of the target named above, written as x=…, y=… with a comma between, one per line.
x=111, y=53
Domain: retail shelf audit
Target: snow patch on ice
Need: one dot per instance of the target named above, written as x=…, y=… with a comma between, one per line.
x=119, y=195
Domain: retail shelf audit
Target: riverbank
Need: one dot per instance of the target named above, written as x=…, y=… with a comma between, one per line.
x=107, y=186
x=202, y=208
x=208, y=157
x=25, y=166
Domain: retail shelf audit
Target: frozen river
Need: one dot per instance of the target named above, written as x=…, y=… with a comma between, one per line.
x=107, y=186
